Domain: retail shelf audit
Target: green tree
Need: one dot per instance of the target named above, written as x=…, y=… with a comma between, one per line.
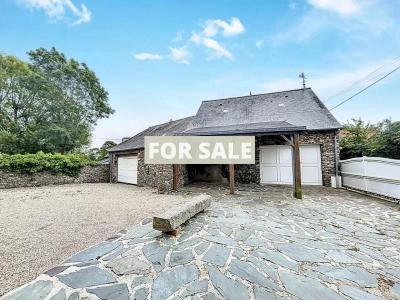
x=103, y=151
x=100, y=153
x=389, y=139
x=358, y=139
x=49, y=104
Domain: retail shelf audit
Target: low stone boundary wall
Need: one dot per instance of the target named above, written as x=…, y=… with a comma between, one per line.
x=88, y=174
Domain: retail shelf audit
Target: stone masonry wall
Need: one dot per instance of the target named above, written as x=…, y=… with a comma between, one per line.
x=161, y=175
x=157, y=176
x=251, y=173
x=327, y=142
x=88, y=174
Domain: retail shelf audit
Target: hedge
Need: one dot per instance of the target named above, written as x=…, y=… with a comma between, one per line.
x=69, y=164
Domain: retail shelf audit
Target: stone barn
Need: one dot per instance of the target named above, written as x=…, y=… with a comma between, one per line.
x=273, y=118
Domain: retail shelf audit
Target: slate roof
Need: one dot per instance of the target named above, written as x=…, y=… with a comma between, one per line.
x=296, y=107
x=286, y=111
x=137, y=141
x=250, y=128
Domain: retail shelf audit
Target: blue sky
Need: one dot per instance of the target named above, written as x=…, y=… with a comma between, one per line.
x=160, y=59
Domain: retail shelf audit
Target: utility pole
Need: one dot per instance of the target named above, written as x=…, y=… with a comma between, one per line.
x=303, y=76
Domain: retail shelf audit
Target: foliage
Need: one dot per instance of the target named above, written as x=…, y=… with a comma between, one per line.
x=364, y=139
x=49, y=104
x=102, y=152
x=32, y=163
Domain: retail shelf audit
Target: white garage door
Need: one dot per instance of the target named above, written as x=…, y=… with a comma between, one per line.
x=276, y=164
x=127, y=169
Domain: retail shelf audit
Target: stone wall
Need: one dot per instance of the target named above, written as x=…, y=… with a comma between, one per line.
x=157, y=176
x=326, y=139
x=88, y=174
x=160, y=176
x=327, y=142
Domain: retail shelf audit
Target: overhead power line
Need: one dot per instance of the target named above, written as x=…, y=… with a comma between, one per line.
x=367, y=87
x=366, y=79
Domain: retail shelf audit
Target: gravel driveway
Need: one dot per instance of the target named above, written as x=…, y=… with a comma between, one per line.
x=42, y=226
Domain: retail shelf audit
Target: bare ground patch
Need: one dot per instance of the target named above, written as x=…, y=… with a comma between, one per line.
x=42, y=226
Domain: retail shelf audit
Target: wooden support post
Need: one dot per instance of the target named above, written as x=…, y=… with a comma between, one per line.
x=175, y=177
x=231, y=179
x=296, y=167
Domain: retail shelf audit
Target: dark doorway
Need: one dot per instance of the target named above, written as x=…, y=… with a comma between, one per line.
x=208, y=173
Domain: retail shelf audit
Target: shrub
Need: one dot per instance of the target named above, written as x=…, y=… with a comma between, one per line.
x=69, y=164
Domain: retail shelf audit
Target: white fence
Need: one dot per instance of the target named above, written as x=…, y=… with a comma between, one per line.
x=372, y=174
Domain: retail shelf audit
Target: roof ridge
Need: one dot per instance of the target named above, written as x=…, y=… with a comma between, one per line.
x=169, y=122
x=261, y=94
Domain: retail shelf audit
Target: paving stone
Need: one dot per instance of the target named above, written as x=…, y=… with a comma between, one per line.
x=239, y=253
x=37, y=290
x=129, y=265
x=74, y=296
x=87, y=277
x=137, y=241
x=277, y=258
x=141, y=294
x=60, y=295
x=306, y=288
x=117, y=252
x=141, y=280
x=230, y=289
x=395, y=290
x=187, y=244
x=56, y=270
x=301, y=253
x=357, y=294
x=247, y=272
x=168, y=282
x=156, y=253
x=185, y=235
x=389, y=253
x=355, y=274
x=341, y=257
x=217, y=255
x=111, y=292
x=209, y=296
x=264, y=267
x=181, y=257
x=226, y=230
x=263, y=294
x=393, y=271
x=196, y=287
x=199, y=249
x=255, y=242
x=242, y=234
x=213, y=231
x=138, y=231
x=94, y=252
x=221, y=240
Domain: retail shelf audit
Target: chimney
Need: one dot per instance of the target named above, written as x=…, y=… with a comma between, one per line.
x=125, y=138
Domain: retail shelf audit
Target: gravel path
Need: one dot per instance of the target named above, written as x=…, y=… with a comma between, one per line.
x=41, y=227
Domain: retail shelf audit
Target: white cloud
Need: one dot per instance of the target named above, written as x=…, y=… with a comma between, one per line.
x=217, y=49
x=357, y=20
x=147, y=56
x=342, y=7
x=59, y=9
x=180, y=55
x=213, y=27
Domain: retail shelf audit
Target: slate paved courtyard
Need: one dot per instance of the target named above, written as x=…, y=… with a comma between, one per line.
x=259, y=244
